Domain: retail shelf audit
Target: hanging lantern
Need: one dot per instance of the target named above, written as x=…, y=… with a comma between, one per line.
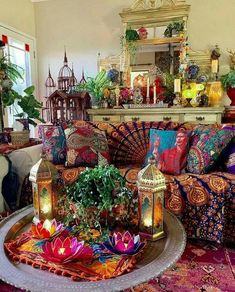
x=151, y=186
x=43, y=176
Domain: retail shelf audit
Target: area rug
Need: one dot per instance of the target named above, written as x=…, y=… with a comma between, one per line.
x=203, y=267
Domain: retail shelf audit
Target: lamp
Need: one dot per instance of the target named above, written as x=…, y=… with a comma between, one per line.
x=214, y=91
x=151, y=186
x=43, y=175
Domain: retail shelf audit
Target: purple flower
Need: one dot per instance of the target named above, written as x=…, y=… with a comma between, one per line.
x=125, y=244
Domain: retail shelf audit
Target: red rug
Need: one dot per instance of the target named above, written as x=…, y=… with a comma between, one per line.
x=204, y=267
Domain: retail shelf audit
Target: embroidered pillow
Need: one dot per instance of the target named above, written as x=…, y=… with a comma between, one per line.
x=207, y=145
x=54, y=144
x=86, y=145
x=169, y=149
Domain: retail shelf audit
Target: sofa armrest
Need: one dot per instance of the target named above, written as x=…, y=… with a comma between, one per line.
x=22, y=162
x=3, y=172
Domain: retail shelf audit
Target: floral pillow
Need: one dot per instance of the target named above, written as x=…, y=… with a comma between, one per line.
x=169, y=149
x=54, y=143
x=206, y=146
x=86, y=145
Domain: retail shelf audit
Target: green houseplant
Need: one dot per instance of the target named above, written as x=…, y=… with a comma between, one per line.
x=228, y=83
x=30, y=106
x=95, y=87
x=174, y=29
x=94, y=197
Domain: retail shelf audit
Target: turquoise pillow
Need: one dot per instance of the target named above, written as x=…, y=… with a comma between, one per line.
x=207, y=145
x=169, y=149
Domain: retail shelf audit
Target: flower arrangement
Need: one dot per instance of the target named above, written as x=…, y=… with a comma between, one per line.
x=174, y=28
x=126, y=94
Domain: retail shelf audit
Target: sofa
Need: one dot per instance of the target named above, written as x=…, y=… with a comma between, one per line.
x=205, y=203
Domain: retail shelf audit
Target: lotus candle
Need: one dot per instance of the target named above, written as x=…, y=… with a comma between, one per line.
x=63, y=250
x=125, y=244
x=46, y=229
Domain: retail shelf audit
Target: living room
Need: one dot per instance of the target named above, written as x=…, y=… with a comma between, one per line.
x=199, y=179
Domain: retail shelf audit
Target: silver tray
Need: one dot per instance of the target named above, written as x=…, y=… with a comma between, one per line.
x=158, y=257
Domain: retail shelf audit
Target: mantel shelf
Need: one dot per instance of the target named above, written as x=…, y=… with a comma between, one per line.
x=159, y=41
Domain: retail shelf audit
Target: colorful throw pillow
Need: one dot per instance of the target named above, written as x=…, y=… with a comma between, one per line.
x=169, y=149
x=86, y=145
x=206, y=146
x=229, y=153
x=54, y=143
x=129, y=141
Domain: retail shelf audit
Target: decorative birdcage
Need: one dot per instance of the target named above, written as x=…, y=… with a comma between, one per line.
x=49, y=84
x=43, y=177
x=151, y=186
x=65, y=74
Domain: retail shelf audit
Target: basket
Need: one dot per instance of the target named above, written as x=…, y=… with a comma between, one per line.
x=19, y=137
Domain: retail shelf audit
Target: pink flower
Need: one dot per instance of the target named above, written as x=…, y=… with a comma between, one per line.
x=63, y=250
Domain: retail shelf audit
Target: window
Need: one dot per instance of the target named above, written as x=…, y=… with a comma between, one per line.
x=20, y=49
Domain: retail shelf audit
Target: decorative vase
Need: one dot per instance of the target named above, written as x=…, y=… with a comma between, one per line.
x=231, y=95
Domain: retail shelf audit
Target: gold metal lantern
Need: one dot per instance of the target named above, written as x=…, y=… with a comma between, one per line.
x=43, y=177
x=151, y=186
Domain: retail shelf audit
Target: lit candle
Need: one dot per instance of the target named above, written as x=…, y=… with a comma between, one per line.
x=214, y=66
x=177, y=85
x=147, y=87
x=148, y=222
x=154, y=94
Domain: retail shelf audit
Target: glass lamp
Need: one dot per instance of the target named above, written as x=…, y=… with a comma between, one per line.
x=214, y=91
x=151, y=186
x=43, y=177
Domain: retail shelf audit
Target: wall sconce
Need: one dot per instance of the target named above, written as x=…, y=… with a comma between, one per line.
x=151, y=186
x=43, y=177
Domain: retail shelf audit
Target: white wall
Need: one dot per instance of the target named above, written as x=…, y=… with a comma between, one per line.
x=92, y=26
x=84, y=27
x=18, y=14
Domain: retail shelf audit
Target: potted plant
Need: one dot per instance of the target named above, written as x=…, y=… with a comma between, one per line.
x=228, y=83
x=128, y=42
x=95, y=197
x=95, y=87
x=174, y=29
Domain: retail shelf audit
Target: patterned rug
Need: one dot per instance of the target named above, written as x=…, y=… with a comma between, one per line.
x=203, y=267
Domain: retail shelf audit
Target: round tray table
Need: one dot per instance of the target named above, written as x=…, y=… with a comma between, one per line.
x=157, y=257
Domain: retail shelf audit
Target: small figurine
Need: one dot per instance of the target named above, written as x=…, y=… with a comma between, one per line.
x=232, y=59
x=143, y=33
x=215, y=54
x=137, y=96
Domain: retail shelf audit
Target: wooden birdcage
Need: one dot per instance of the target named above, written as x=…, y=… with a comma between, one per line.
x=65, y=75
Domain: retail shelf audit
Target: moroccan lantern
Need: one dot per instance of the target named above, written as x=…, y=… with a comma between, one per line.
x=43, y=177
x=151, y=186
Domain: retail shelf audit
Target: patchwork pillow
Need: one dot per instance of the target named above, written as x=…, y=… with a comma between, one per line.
x=86, y=145
x=169, y=149
x=54, y=143
x=207, y=145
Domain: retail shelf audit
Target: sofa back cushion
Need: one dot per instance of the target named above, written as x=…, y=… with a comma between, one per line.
x=86, y=145
x=129, y=141
x=207, y=143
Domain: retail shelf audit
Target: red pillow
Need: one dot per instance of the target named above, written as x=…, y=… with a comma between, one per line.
x=86, y=145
